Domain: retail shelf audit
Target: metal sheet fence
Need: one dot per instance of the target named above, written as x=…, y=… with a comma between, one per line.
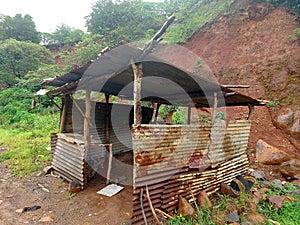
x=166, y=158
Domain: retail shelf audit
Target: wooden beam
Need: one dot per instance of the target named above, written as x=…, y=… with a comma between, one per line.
x=214, y=112
x=110, y=156
x=156, y=112
x=63, y=116
x=138, y=74
x=235, y=86
x=86, y=130
x=251, y=111
x=107, y=120
x=189, y=115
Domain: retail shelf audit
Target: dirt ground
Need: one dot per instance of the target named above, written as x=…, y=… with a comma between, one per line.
x=84, y=208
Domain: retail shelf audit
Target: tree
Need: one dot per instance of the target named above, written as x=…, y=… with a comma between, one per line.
x=62, y=35
x=17, y=58
x=19, y=28
x=125, y=20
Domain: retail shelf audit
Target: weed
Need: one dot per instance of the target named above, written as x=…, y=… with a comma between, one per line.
x=273, y=104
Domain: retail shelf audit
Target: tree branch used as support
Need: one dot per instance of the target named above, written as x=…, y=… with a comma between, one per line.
x=138, y=74
x=251, y=111
x=151, y=206
x=142, y=206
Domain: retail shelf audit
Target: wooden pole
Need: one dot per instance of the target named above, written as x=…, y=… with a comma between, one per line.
x=151, y=206
x=86, y=130
x=107, y=119
x=251, y=111
x=142, y=206
x=63, y=116
x=138, y=74
x=109, y=164
x=156, y=112
x=214, y=113
x=189, y=115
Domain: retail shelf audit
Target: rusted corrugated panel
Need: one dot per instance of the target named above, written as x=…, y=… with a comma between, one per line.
x=230, y=142
x=68, y=161
x=153, y=145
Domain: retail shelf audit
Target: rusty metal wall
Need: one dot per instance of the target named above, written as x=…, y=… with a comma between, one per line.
x=70, y=161
x=166, y=160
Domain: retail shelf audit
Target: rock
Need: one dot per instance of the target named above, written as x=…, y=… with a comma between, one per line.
x=257, y=197
x=228, y=190
x=259, y=175
x=233, y=217
x=291, y=169
x=296, y=183
x=46, y=219
x=289, y=121
x=277, y=184
x=284, y=118
x=204, y=201
x=277, y=201
x=269, y=155
x=19, y=210
x=247, y=181
x=253, y=218
x=47, y=170
x=238, y=186
x=185, y=208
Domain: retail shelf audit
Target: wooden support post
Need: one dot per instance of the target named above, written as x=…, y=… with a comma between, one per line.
x=138, y=74
x=214, y=112
x=156, y=112
x=251, y=111
x=63, y=115
x=86, y=131
x=110, y=156
x=142, y=206
x=189, y=115
x=107, y=120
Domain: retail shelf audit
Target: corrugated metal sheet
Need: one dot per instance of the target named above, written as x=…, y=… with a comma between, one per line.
x=69, y=162
x=165, y=159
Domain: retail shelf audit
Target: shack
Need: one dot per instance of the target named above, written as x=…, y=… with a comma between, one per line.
x=168, y=160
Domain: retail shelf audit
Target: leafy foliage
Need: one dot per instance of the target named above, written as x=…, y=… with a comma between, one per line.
x=62, y=35
x=17, y=58
x=85, y=50
x=192, y=16
x=21, y=28
x=124, y=20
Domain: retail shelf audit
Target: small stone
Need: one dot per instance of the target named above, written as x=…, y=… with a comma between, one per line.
x=204, y=201
x=257, y=197
x=185, y=208
x=233, y=217
x=277, y=184
x=48, y=170
x=269, y=155
x=227, y=190
x=290, y=169
x=19, y=210
x=277, y=201
x=259, y=175
x=253, y=218
x=46, y=219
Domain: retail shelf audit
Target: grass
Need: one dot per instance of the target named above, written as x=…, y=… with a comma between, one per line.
x=193, y=17
x=224, y=204
x=28, y=144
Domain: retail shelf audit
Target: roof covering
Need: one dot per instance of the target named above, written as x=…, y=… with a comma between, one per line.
x=162, y=82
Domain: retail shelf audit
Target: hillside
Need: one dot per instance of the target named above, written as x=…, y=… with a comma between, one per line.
x=256, y=52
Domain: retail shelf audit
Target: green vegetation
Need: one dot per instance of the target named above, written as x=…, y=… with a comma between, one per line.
x=194, y=15
x=273, y=104
x=21, y=28
x=224, y=204
x=289, y=213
